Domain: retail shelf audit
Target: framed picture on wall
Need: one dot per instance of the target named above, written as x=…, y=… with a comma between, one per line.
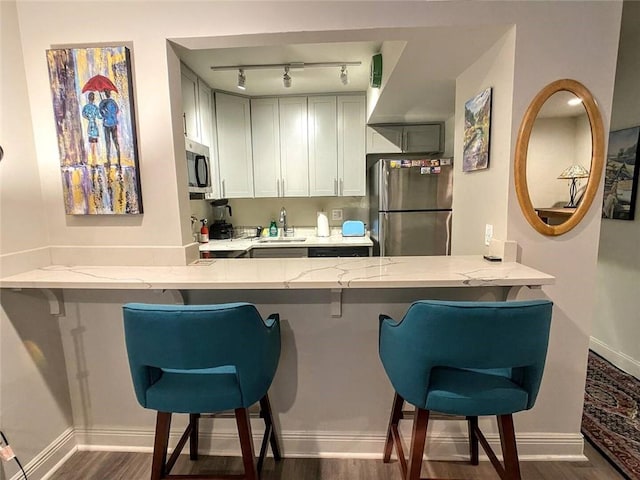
x=92, y=95
x=621, y=175
x=477, y=130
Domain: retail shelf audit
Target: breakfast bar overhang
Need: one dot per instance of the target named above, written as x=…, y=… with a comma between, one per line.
x=330, y=395
x=334, y=274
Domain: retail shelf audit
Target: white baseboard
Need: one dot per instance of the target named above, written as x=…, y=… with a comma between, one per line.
x=51, y=458
x=531, y=446
x=619, y=359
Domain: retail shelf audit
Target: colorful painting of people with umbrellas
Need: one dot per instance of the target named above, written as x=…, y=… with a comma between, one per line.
x=95, y=125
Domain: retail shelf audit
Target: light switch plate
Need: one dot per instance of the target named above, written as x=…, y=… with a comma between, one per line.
x=336, y=214
x=488, y=234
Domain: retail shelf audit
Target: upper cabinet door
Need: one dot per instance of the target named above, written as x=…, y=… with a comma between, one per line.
x=189, y=83
x=205, y=115
x=351, y=145
x=377, y=142
x=214, y=164
x=423, y=138
x=265, y=136
x=233, y=122
x=323, y=146
x=294, y=156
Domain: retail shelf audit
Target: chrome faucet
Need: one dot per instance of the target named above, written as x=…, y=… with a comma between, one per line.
x=283, y=221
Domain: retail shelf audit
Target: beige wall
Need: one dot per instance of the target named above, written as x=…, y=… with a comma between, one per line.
x=532, y=48
x=479, y=197
x=572, y=257
x=35, y=408
x=616, y=326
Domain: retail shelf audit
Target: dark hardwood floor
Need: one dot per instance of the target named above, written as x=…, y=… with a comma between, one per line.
x=137, y=466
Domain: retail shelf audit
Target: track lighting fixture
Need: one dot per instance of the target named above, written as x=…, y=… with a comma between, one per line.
x=241, y=79
x=286, y=79
x=344, y=77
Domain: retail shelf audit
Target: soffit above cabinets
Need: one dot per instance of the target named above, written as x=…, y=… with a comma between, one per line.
x=419, y=73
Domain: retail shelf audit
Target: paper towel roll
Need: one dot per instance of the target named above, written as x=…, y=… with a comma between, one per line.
x=323, y=224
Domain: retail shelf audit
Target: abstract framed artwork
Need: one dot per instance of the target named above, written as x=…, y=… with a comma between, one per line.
x=621, y=175
x=92, y=94
x=477, y=132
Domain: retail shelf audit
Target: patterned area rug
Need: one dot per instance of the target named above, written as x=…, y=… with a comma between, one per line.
x=611, y=420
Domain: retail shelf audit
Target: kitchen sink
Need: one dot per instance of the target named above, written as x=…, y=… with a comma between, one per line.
x=282, y=240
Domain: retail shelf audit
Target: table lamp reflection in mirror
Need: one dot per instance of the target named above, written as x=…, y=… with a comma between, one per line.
x=573, y=173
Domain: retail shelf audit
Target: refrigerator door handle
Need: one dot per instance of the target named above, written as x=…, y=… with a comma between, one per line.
x=448, y=247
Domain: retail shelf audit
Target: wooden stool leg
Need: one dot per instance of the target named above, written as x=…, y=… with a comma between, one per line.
x=472, y=423
x=246, y=444
x=265, y=405
x=161, y=442
x=394, y=419
x=418, y=438
x=509, y=448
x=194, y=420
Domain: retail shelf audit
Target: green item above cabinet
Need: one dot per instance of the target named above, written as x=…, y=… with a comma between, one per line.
x=375, y=78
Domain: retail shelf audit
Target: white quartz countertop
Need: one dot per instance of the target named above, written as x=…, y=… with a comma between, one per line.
x=290, y=273
x=298, y=240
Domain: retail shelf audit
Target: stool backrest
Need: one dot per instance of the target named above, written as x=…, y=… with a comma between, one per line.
x=193, y=337
x=466, y=335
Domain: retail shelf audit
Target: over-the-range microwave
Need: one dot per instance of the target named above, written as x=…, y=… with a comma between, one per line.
x=198, y=167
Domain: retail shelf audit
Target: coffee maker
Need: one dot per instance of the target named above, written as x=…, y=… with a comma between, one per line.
x=221, y=229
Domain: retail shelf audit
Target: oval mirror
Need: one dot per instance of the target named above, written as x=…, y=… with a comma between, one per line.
x=559, y=157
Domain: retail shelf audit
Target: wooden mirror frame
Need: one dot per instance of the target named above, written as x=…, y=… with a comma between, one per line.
x=597, y=155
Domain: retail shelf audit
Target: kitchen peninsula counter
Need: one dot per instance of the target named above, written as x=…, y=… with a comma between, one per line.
x=293, y=273
x=329, y=309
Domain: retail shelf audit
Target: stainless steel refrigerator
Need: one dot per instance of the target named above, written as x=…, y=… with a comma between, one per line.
x=410, y=205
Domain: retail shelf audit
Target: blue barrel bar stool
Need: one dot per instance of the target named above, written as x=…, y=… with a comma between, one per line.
x=198, y=359
x=469, y=359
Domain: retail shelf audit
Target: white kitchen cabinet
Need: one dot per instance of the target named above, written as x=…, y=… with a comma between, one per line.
x=190, y=119
x=204, y=114
x=378, y=143
x=233, y=123
x=406, y=138
x=337, y=145
x=265, y=137
x=351, y=145
x=424, y=138
x=294, y=153
x=214, y=165
x=323, y=146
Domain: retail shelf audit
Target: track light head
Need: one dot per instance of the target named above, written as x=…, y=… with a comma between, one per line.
x=241, y=79
x=344, y=76
x=286, y=79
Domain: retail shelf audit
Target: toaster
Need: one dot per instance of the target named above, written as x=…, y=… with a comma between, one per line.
x=353, y=228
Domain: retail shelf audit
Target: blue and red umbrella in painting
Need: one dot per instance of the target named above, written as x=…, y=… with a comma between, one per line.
x=99, y=83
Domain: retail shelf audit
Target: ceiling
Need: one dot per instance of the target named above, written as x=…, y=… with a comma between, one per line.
x=419, y=86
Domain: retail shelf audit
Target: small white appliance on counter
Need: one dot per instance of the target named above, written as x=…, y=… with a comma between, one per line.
x=323, y=225
x=198, y=167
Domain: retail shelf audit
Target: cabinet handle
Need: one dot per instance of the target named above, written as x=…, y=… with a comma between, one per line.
x=223, y=189
x=335, y=186
x=184, y=123
x=278, y=186
x=283, y=187
x=341, y=187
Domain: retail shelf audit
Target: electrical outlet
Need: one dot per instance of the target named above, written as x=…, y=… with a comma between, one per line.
x=336, y=214
x=488, y=234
